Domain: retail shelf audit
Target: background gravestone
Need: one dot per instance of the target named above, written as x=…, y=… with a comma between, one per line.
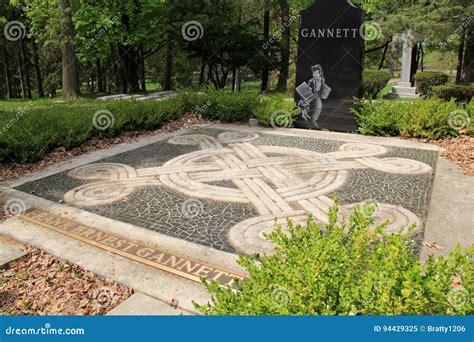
x=329, y=35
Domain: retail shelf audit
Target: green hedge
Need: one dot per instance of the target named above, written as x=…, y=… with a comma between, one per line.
x=413, y=118
x=374, y=81
x=461, y=93
x=26, y=135
x=425, y=81
x=276, y=111
x=347, y=270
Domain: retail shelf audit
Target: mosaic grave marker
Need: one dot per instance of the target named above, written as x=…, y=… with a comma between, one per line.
x=241, y=181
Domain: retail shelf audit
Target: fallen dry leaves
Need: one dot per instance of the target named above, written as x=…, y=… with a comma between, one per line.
x=433, y=245
x=14, y=171
x=39, y=284
x=459, y=150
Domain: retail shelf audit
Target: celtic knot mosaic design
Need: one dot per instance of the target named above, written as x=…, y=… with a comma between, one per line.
x=279, y=182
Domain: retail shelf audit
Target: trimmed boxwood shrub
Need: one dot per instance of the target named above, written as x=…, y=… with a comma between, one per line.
x=425, y=81
x=461, y=93
x=276, y=110
x=374, y=81
x=25, y=136
x=412, y=118
x=347, y=269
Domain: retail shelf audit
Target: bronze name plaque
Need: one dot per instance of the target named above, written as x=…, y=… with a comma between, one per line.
x=150, y=256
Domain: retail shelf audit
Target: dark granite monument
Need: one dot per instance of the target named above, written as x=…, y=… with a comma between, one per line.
x=329, y=65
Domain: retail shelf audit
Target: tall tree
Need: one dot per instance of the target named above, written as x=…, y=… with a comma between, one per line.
x=70, y=82
x=25, y=61
x=285, y=45
x=266, y=38
x=37, y=66
x=468, y=76
x=3, y=82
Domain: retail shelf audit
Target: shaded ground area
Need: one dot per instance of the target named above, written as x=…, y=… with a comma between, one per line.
x=39, y=284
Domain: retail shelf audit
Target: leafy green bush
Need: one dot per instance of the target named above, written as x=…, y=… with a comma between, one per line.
x=277, y=110
x=374, y=82
x=425, y=81
x=347, y=269
x=413, y=118
x=221, y=105
x=461, y=93
x=26, y=135
x=470, y=111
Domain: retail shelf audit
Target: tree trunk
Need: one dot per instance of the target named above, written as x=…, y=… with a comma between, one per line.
x=414, y=61
x=70, y=83
x=21, y=74
x=8, y=73
x=26, y=64
x=202, y=73
x=142, y=68
x=209, y=74
x=266, y=38
x=39, y=78
x=285, y=45
x=100, y=76
x=169, y=64
x=132, y=68
x=468, y=63
x=92, y=76
x=129, y=59
x=384, y=54
x=422, y=53
x=459, y=67
x=237, y=81
x=3, y=81
x=119, y=71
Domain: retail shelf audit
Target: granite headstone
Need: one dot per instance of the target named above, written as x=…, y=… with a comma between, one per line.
x=329, y=65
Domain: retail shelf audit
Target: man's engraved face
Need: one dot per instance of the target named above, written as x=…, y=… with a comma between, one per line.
x=317, y=74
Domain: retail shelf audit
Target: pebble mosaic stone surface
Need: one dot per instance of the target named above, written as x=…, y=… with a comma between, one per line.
x=224, y=189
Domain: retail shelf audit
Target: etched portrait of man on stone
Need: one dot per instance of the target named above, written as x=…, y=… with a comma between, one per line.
x=311, y=93
x=329, y=65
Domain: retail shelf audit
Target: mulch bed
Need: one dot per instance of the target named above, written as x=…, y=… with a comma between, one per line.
x=459, y=150
x=39, y=284
x=60, y=155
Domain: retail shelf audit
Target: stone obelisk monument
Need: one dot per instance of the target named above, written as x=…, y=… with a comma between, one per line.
x=404, y=89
